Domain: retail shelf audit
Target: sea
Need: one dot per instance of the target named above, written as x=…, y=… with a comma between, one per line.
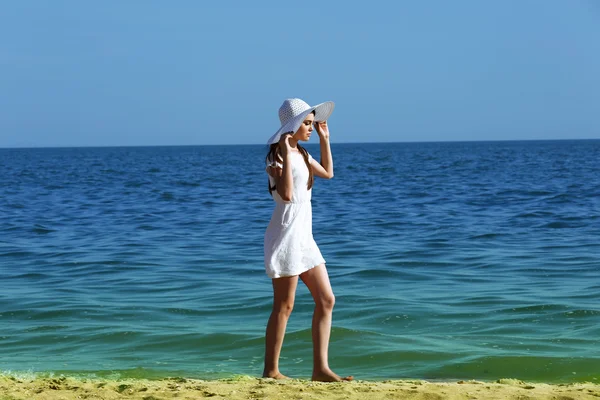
x=453, y=260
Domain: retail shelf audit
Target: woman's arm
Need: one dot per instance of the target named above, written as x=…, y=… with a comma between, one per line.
x=325, y=168
x=283, y=176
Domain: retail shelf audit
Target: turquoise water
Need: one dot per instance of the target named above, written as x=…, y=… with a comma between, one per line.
x=448, y=260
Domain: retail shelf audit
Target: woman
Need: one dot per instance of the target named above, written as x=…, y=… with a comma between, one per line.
x=290, y=250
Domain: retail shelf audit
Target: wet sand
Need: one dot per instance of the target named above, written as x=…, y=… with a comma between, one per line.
x=255, y=388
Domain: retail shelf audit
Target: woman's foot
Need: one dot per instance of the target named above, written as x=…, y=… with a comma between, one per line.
x=329, y=376
x=275, y=375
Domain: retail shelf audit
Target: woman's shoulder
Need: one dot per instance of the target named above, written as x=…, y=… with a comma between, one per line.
x=303, y=151
x=273, y=158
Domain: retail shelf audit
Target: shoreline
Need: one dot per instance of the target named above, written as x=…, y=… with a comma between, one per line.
x=246, y=387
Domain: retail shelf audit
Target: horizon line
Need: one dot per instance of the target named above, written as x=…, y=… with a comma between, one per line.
x=258, y=144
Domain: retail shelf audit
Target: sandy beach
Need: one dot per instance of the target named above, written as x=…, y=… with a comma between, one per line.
x=252, y=388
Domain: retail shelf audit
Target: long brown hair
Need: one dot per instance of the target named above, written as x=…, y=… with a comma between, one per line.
x=274, y=154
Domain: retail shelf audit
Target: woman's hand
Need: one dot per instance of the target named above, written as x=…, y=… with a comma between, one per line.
x=322, y=130
x=284, y=143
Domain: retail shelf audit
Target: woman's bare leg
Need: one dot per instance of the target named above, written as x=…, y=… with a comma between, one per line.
x=284, y=293
x=317, y=281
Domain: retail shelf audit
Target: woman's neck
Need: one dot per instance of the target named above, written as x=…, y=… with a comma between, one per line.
x=293, y=144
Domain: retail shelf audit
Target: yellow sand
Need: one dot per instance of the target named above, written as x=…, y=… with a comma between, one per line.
x=252, y=388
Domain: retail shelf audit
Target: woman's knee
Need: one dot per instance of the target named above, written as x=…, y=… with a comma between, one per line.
x=326, y=302
x=283, y=308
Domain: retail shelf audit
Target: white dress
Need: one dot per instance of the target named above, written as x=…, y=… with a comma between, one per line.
x=290, y=248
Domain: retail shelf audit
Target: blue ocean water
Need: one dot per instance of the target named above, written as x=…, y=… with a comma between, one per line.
x=475, y=260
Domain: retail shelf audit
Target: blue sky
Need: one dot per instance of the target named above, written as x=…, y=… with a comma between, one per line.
x=75, y=73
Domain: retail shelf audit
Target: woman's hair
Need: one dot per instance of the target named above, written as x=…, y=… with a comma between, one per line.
x=274, y=154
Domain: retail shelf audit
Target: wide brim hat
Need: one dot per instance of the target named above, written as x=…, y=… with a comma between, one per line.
x=294, y=111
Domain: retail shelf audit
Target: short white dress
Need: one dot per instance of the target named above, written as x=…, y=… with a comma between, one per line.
x=290, y=248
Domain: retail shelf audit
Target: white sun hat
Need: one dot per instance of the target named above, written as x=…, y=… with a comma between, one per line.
x=293, y=112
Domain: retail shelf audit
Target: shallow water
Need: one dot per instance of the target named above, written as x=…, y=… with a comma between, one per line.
x=472, y=260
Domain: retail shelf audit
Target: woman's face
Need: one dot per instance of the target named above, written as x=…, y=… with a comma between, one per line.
x=303, y=134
